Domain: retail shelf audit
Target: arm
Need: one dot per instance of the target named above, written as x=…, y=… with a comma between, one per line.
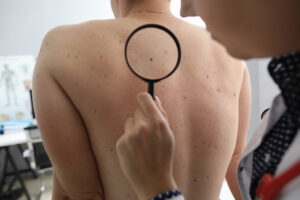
x=146, y=150
x=63, y=131
x=244, y=117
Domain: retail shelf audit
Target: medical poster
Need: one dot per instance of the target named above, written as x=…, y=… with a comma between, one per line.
x=15, y=81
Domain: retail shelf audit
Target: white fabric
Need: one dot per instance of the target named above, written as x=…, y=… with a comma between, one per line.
x=292, y=155
x=177, y=198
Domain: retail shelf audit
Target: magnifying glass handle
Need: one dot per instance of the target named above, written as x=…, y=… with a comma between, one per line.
x=151, y=89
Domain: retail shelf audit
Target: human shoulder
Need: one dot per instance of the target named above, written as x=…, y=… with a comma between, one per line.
x=64, y=41
x=65, y=35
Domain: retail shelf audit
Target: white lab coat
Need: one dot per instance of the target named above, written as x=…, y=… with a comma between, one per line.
x=291, y=157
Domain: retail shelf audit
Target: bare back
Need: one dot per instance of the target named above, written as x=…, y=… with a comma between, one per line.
x=88, y=72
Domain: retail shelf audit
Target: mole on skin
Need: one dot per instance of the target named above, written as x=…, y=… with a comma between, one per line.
x=77, y=55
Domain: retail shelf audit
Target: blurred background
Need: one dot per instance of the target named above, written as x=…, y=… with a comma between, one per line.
x=23, y=24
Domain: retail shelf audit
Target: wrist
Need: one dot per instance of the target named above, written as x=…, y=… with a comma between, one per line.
x=169, y=195
x=153, y=188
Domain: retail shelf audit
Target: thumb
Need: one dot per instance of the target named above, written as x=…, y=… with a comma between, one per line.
x=147, y=105
x=161, y=109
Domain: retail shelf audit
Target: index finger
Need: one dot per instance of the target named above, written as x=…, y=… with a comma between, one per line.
x=148, y=106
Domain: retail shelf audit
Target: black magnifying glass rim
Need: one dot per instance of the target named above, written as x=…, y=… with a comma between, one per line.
x=171, y=34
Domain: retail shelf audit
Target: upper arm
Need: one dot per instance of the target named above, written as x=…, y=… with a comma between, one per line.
x=244, y=106
x=244, y=109
x=62, y=129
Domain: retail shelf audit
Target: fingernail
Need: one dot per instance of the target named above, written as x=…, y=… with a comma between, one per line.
x=158, y=100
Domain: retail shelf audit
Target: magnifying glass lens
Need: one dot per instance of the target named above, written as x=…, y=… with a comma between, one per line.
x=152, y=53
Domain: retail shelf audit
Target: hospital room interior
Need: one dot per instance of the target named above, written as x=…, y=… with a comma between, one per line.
x=26, y=171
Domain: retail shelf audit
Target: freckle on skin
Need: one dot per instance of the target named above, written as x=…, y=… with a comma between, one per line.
x=47, y=44
x=218, y=90
x=95, y=111
x=216, y=147
x=92, y=68
x=207, y=176
x=77, y=55
x=128, y=195
x=207, y=76
x=111, y=150
x=68, y=56
x=151, y=59
x=195, y=180
x=166, y=52
x=120, y=41
x=234, y=94
x=184, y=97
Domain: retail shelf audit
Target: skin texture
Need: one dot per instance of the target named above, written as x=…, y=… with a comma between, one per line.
x=84, y=93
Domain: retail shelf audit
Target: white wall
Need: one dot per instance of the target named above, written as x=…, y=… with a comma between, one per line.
x=255, y=113
x=268, y=89
x=263, y=90
x=23, y=24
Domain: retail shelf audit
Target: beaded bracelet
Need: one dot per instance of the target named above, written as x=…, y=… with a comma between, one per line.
x=168, y=195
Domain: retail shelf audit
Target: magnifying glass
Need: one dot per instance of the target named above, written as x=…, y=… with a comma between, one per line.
x=152, y=53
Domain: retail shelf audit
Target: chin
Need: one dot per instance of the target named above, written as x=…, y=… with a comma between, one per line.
x=238, y=54
x=187, y=11
x=233, y=50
